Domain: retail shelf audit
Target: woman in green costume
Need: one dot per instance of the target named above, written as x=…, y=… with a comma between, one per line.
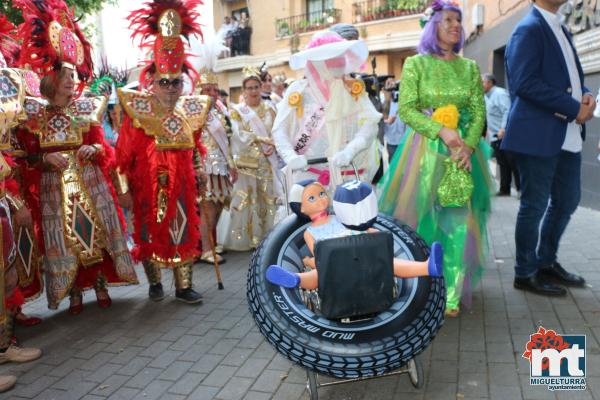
x=433, y=82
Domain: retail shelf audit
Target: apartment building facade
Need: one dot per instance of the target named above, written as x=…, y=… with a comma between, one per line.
x=489, y=24
x=282, y=27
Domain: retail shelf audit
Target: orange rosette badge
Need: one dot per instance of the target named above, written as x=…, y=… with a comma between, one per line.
x=447, y=116
x=357, y=88
x=295, y=100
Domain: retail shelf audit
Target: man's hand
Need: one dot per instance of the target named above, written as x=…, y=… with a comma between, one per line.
x=501, y=133
x=23, y=218
x=57, y=160
x=390, y=120
x=87, y=152
x=126, y=201
x=591, y=101
x=586, y=110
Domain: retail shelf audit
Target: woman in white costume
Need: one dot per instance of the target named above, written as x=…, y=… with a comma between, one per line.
x=328, y=113
x=256, y=192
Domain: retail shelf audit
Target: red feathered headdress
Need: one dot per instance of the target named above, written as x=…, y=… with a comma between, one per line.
x=52, y=38
x=160, y=24
x=9, y=48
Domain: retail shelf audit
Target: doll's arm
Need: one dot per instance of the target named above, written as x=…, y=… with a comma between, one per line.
x=310, y=242
x=309, y=262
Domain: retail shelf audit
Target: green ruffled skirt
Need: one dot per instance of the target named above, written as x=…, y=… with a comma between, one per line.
x=408, y=191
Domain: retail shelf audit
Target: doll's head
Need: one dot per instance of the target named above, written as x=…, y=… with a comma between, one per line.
x=355, y=205
x=315, y=200
x=308, y=198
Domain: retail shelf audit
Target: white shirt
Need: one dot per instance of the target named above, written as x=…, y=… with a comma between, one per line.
x=226, y=28
x=573, y=141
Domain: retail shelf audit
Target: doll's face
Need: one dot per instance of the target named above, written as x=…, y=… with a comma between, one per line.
x=314, y=200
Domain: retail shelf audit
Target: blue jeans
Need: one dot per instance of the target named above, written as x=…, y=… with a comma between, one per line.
x=550, y=189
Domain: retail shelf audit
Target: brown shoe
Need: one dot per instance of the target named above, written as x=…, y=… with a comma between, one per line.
x=20, y=354
x=7, y=382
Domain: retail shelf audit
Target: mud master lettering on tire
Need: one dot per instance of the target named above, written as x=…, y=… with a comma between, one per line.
x=309, y=327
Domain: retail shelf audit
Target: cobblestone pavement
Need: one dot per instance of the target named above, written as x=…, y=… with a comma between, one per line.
x=143, y=350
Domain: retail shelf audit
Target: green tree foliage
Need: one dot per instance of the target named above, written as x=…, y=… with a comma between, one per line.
x=82, y=8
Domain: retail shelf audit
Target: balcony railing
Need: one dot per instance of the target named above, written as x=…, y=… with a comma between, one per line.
x=374, y=10
x=307, y=22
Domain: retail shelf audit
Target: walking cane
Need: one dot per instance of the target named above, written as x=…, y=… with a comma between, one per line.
x=211, y=243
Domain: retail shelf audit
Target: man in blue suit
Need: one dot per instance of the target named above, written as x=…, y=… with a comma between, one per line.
x=545, y=132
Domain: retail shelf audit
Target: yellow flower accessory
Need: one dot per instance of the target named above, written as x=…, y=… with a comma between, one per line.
x=357, y=88
x=447, y=116
x=295, y=100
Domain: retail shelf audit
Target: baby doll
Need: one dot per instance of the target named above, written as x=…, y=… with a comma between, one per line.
x=314, y=204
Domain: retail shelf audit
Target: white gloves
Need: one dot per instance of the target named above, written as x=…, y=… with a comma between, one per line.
x=297, y=161
x=342, y=158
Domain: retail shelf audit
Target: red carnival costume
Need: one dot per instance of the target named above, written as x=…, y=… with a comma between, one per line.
x=82, y=228
x=159, y=151
x=28, y=259
x=11, y=107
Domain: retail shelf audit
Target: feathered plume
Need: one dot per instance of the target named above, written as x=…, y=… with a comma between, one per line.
x=205, y=57
x=51, y=37
x=9, y=48
x=161, y=32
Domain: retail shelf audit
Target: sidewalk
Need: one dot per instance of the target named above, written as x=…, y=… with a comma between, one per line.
x=143, y=350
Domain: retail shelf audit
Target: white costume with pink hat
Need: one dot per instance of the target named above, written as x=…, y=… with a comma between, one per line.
x=327, y=114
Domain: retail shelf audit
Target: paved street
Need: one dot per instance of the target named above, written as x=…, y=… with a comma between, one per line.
x=143, y=350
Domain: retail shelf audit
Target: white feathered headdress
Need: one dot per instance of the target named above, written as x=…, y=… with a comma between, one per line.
x=206, y=56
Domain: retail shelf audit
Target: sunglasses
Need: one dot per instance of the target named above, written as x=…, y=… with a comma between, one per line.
x=165, y=83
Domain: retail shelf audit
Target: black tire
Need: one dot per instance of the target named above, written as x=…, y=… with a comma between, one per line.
x=361, y=349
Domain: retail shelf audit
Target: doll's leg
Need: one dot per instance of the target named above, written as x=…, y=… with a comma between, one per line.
x=283, y=277
x=309, y=280
x=410, y=269
x=431, y=267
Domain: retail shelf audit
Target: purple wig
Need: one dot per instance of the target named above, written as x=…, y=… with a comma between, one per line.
x=428, y=43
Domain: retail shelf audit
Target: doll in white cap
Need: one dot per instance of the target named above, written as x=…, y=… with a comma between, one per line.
x=309, y=199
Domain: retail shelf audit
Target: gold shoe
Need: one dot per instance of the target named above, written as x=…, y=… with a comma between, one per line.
x=452, y=312
x=207, y=258
x=219, y=249
x=20, y=354
x=7, y=382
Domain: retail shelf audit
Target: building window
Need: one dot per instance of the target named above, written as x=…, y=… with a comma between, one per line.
x=315, y=8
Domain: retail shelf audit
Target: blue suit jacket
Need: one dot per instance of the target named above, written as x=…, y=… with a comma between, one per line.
x=540, y=89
